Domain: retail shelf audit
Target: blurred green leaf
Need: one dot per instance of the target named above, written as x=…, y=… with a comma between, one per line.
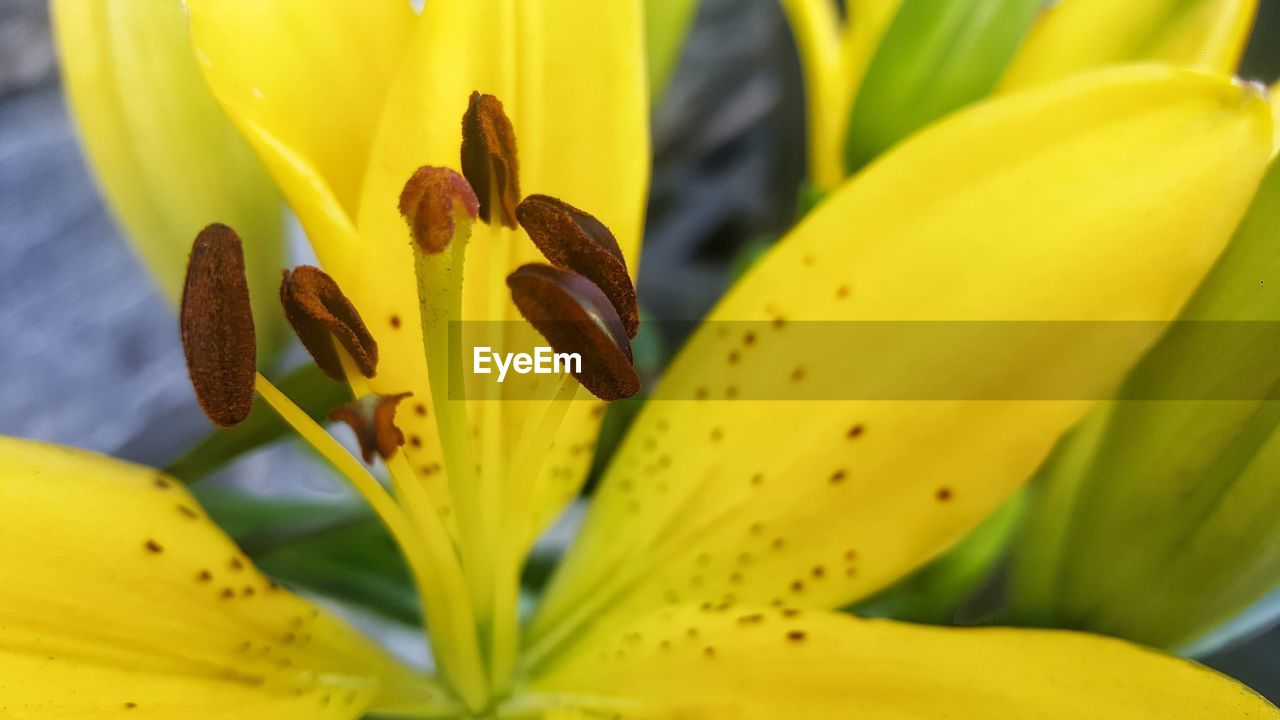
x=667, y=22
x=1258, y=619
x=340, y=551
x=934, y=593
x=1156, y=520
x=307, y=386
x=935, y=57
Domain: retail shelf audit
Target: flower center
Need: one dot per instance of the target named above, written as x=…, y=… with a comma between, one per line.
x=493, y=450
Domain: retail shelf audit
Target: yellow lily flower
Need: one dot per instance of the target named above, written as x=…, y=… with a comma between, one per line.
x=1068, y=37
x=725, y=531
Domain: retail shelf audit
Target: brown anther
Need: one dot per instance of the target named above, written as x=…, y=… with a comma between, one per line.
x=489, y=158
x=438, y=204
x=217, y=326
x=320, y=314
x=575, y=317
x=373, y=418
x=575, y=240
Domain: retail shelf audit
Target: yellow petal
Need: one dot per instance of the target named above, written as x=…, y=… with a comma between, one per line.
x=1275, y=116
x=816, y=27
x=763, y=664
x=305, y=83
x=570, y=74
x=1105, y=197
x=120, y=594
x=1075, y=35
x=164, y=153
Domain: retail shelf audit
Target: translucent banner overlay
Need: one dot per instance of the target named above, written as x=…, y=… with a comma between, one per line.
x=909, y=360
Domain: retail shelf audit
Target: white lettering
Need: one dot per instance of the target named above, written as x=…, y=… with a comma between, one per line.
x=503, y=367
x=542, y=362
x=572, y=362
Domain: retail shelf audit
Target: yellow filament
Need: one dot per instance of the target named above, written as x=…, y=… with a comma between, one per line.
x=817, y=29
x=467, y=672
x=493, y=465
x=536, y=437
x=451, y=622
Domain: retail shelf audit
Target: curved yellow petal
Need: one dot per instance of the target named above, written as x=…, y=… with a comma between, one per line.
x=1076, y=35
x=816, y=27
x=164, y=153
x=120, y=594
x=1275, y=116
x=305, y=83
x=1105, y=197
x=762, y=664
x=570, y=74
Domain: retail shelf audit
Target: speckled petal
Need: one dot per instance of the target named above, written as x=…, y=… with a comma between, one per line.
x=1105, y=197
x=122, y=599
x=763, y=664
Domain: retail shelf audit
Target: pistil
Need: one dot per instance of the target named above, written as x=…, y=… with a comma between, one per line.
x=435, y=201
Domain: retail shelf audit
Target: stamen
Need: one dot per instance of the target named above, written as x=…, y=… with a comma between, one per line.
x=438, y=205
x=320, y=314
x=575, y=240
x=433, y=568
x=489, y=158
x=575, y=317
x=217, y=326
x=373, y=418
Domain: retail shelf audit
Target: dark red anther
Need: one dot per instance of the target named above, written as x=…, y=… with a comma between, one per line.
x=321, y=315
x=575, y=316
x=216, y=323
x=489, y=159
x=575, y=240
x=373, y=418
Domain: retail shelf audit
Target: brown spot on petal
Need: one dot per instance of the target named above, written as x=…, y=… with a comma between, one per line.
x=576, y=317
x=217, y=326
x=575, y=240
x=321, y=314
x=489, y=159
x=373, y=418
x=438, y=204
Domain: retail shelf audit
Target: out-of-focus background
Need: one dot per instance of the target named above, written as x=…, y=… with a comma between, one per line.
x=89, y=351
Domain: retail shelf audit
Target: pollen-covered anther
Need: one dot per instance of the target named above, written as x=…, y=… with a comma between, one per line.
x=217, y=326
x=373, y=418
x=575, y=240
x=320, y=315
x=489, y=159
x=575, y=317
x=439, y=206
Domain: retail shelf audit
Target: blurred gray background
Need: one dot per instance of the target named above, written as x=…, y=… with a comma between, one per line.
x=90, y=352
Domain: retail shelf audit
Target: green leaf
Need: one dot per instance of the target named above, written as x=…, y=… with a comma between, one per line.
x=338, y=550
x=666, y=24
x=307, y=386
x=935, y=593
x=935, y=57
x=1156, y=520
